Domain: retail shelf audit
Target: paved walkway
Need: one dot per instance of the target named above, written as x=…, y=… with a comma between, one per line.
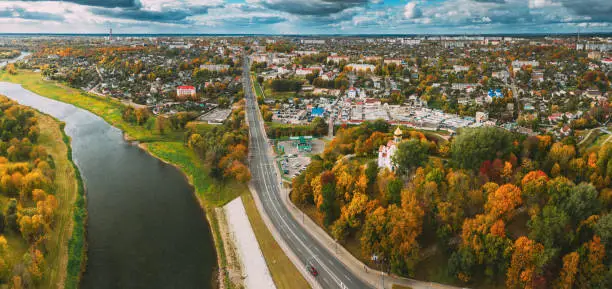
x=253, y=263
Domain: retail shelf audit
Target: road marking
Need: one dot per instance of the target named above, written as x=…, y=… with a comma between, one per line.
x=257, y=135
x=265, y=183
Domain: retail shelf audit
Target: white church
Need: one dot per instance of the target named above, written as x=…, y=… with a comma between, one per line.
x=386, y=152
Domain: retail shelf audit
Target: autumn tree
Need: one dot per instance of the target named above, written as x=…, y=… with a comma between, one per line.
x=534, y=187
x=567, y=277
x=4, y=256
x=592, y=268
x=161, y=124
x=561, y=154
x=350, y=216
x=526, y=264
x=503, y=202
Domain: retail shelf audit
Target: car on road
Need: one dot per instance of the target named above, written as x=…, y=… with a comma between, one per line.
x=313, y=271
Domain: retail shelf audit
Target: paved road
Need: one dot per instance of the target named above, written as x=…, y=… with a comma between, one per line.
x=332, y=273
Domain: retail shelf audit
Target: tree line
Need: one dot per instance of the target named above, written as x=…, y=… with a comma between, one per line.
x=27, y=188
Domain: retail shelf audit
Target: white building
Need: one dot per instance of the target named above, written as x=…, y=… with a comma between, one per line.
x=386, y=152
x=185, y=91
x=215, y=67
x=352, y=92
x=337, y=59
x=460, y=68
x=482, y=116
x=304, y=71
x=518, y=64
x=361, y=67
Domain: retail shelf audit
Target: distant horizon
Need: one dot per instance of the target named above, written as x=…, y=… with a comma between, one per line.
x=524, y=34
x=306, y=17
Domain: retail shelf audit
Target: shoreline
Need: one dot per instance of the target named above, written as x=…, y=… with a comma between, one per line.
x=82, y=194
x=207, y=212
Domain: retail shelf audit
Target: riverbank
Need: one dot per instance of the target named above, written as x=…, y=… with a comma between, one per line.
x=77, y=245
x=65, y=258
x=167, y=147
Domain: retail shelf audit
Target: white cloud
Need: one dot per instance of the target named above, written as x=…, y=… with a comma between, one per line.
x=411, y=10
x=542, y=3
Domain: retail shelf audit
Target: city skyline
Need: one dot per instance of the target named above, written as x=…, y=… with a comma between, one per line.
x=296, y=17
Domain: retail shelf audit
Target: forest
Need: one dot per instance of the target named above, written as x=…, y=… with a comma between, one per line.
x=28, y=199
x=225, y=147
x=492, y=208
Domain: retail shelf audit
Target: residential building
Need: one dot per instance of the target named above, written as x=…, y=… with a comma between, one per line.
x=185, y=91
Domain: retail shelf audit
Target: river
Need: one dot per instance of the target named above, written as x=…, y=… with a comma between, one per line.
x=145, y=227
x=4, y=62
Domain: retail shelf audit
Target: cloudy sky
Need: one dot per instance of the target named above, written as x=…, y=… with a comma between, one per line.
x=305, y=16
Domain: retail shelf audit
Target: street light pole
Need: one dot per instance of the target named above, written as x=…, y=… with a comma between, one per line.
x=336, y=242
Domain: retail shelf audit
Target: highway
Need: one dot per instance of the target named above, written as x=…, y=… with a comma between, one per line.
x=332, y=273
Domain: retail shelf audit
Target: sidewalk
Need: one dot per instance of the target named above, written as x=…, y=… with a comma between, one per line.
x=254, y=265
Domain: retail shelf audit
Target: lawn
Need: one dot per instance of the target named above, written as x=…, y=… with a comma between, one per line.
x=278, y=95
x=258, y=90
x=601, y=139
x=284, y=273
x=588, y=142
x=212, y=192
x=395, y=286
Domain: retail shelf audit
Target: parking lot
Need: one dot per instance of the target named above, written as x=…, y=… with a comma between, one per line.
x=294, y=161
x=216, y=116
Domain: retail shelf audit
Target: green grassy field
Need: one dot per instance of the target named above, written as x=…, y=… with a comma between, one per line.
x=258, y=91
x=283, y=272
x=395, y=286
x=212, y=192
x=279, y=95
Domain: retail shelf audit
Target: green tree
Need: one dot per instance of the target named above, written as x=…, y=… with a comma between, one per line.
x=394, y=191
x=475, y=145
x=603, y=228
x=549, y=227
x=371, y=171
x=329, y=207
x=581, y=203
x=410, y=155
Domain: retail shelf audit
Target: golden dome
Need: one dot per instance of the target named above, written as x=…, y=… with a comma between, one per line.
x=398, y=132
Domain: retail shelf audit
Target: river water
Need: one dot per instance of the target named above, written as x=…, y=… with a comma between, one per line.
x=145, y=227
x=4, y=62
